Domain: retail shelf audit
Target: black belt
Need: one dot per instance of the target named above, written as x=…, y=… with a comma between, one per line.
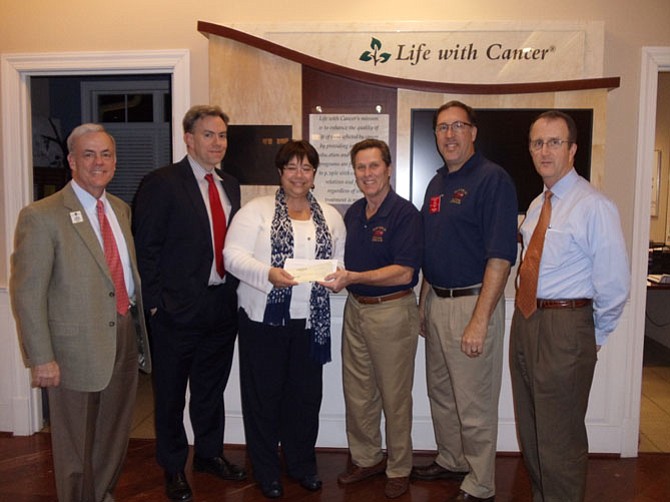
x=372, y=300
x=575, y=303
x=455, y=293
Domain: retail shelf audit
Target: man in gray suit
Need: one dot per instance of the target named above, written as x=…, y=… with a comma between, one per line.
x=75, y=292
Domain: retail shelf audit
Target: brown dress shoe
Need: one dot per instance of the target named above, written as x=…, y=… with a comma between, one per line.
x=466, y=497
x=357, y=473
x=434, y=471
x=396, y=487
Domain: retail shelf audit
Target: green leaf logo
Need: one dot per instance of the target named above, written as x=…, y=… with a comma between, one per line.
x=375, y=55
x=366, y=56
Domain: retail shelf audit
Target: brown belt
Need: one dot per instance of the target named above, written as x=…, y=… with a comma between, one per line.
x=575, y=303
x=455, y=293
x=372, y=300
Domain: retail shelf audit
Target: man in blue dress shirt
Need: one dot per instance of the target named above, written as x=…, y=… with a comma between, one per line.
x=581, y=291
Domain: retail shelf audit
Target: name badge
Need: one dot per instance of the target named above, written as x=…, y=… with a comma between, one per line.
x=434, y=204
x=76, y=217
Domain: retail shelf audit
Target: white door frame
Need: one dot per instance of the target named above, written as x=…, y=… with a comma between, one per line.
x=654, y=60
x=15, y=73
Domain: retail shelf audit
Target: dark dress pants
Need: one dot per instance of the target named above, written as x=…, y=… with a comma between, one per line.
x=552, y=361
x=281, y=397
x=199, y=353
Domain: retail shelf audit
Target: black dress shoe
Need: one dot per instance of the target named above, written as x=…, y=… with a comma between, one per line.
x=311, y=483
x=465, y=497
x=272, y=490
x=219, y=466
x=434, y=471
x=176, y=487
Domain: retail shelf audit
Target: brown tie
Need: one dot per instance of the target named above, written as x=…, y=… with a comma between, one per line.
x=526, y=296
x=218, y=223
x=113, y=260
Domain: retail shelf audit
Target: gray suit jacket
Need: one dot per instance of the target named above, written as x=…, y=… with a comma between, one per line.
x=63, y=295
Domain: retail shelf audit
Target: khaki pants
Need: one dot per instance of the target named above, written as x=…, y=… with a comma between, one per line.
x=464, y=391
x=378, y=350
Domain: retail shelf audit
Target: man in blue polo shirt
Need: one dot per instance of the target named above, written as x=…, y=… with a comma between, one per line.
x=379, y=338
x=470, y=227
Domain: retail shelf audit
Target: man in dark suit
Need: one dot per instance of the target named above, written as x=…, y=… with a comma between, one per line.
x=75, y=291
x=181, y=213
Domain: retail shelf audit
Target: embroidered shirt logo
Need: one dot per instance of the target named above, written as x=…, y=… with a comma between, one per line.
x=458, y=196
x=378, y=234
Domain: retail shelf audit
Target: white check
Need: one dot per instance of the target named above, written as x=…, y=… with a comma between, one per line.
x=309, y=270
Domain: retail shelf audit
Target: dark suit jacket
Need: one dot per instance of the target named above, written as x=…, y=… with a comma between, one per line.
x=63, y=294
x=173, y=239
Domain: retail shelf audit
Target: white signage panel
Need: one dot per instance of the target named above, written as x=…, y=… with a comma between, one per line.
x=450, y=56
x=333, y=135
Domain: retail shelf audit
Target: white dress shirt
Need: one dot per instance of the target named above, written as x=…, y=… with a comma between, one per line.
x=200, y=172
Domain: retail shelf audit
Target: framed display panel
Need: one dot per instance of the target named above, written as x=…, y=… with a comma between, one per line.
x=251, y=152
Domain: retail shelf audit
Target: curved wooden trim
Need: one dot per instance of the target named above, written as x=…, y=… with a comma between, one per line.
x=608, y=83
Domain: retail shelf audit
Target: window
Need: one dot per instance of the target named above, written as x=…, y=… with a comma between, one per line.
x=138, y=114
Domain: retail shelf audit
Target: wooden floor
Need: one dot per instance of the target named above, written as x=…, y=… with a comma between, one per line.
x=26, y=471
x=26, y=475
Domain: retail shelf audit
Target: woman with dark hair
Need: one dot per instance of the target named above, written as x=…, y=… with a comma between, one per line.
x=284, y=329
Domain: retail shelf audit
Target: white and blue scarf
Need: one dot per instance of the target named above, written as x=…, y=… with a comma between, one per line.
x=277, y=308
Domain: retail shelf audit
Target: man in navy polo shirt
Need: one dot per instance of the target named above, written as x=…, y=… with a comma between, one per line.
x=383, y=256
x=470, y=228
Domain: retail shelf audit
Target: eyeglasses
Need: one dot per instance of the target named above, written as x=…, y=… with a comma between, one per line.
x=457, y=127
x=554, y=144
x=294, y=168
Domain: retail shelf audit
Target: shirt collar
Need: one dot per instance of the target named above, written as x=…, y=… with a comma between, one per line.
x=199, y=171
x=86, y=199
x=466, y=168
x=384, y=208
x=565, y=184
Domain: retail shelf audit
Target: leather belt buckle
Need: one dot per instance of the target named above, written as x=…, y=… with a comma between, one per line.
x=373, y=300
x=456, y=292
x=573, y=303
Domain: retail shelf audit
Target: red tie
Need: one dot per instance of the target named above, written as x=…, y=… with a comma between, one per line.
x=218, y=223
x=526, y=296
x=113, y=261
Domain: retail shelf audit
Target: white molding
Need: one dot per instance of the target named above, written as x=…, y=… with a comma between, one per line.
x=15, y=73
x=654, y=60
